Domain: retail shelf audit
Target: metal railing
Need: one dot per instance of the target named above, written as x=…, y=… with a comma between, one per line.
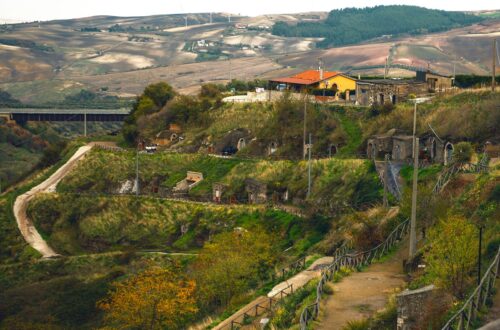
x=345, y=259
x=455, y=167
x=474, y=168
x=267, y=305
x=292, y=268
x=464, y=318
x=445, y=177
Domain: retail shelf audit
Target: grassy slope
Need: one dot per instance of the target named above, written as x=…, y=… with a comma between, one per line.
x=16, y=162
x=105, y=171
x=74, y=224
x=472, y=116
x=62, y=293
x=12, y=245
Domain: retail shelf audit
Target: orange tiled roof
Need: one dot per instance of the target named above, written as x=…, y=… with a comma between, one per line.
x=308, y=77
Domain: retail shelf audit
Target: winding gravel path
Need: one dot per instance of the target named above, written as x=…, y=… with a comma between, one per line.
x=28, y=230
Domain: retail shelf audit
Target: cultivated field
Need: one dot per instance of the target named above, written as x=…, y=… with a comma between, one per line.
x=122, y=55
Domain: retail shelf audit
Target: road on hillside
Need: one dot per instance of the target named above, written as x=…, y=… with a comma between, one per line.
x=26, y=226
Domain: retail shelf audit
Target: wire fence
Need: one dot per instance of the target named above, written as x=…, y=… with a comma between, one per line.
x=465, y=317
x=344, y=259
x=449, y=171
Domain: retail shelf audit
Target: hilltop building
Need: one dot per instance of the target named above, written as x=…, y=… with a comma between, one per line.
x=435, y=82
x=381, y=91
x=335, y=83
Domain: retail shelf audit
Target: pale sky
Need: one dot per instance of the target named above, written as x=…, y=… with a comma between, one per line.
x=29, y=10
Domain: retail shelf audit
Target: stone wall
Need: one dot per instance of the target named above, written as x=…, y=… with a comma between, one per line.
x=421, y=308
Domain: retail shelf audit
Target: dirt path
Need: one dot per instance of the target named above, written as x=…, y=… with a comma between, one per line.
x=361, y=295
x=297, y=281
x=25, y=225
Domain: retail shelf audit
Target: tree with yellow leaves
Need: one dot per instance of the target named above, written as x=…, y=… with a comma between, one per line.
x=452, y=253
x=156, y=298
x=230, y=265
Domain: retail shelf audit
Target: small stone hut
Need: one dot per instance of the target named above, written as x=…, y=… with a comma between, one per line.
x=168, y=136
x=218, y=190
x=436, y=82
x=379, y=145
x=257, y=191
x=402, y=146
x=233, y=141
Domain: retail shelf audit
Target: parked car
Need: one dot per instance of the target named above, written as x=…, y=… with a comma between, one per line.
x=229, y=151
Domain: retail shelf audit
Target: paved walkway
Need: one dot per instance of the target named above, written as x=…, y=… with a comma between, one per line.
x=361, y=295
x=297, y=281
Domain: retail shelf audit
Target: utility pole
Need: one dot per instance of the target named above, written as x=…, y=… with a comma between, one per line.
x=385, y=68
x=493, y=68
x=137, y=172
x=413, y=221
x=309, y=168
x=386, y=178
x=186, y=20
x=230, y=71
x=85, y=122
x=305, y=126
x=479, y=255
x=210, y=17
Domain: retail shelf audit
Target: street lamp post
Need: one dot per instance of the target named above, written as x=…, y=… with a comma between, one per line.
x=413, y=221
x=309, y=147
x=137, y=172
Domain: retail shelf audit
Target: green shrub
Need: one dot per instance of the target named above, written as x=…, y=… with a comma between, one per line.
x=462, y=152
x=363, y=324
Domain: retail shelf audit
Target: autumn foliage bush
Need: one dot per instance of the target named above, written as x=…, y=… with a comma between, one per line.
x=157, y=298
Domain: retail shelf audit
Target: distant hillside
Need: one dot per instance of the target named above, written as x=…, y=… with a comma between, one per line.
x=353, y=25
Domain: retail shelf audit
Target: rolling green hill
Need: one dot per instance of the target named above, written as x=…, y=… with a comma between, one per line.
x=353, y=25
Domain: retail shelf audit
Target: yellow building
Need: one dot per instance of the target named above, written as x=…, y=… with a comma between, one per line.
x=334, y=82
